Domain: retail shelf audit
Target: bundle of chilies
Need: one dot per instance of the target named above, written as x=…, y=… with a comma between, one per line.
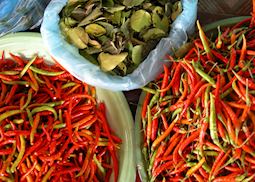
x=52, y=128
x=198, y=116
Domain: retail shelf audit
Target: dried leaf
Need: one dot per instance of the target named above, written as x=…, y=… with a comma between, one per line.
x=116, y=18
x=110, y=47
x=108, y=27
x=140, y=20
x=64, y=28
x=114, y=8
x=108, y=3
x=92, y=50
x=78, y=14
x=137, y=54
x=70, y=21
x=82, y=34
x=176, y=10
x=95, y=44
x=125, y=28
x=123, y=68
x=95, y=30
x=74, y=37
x=153, y=33
x=93, y=15
x=168, y=9
x=162, y=24
x=108, y=61
x=126, y=14
x=183, y=50
x=131, y=3
x=156, y=20
x=89, y=57
x=147, y=5
x=158, y=10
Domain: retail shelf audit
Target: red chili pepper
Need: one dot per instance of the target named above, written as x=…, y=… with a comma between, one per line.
x=165, y=80
x=174, y=79
x=159, y=153
x=243, y=53
x=232, y=60
x=187, y=141
x=154, y=129
x=219, y=56
x=172, y=143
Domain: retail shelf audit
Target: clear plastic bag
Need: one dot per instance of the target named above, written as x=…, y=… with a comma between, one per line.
x=20, y=15
x=68, y=56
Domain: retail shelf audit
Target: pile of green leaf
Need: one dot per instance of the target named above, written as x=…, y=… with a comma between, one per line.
x=117, y=34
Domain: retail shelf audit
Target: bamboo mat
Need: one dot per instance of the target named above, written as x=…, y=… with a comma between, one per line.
x=212, y=10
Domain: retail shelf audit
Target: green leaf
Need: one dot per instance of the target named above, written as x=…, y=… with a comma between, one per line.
x=137, y=54
x=140, y=20
x=108, y=61
x=153, y=33
x=131, y=3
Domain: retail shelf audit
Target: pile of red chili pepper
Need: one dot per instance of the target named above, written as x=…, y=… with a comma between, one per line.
x=198, y=116
x=51, y=126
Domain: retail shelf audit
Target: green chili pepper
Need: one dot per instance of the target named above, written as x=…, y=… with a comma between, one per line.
x=29, y=97
x=206, y=101
x=44, y=72
x=149, y=125
x=3, y=178
x=152, y=159
x=176, y=112
x=149, y=90
x=251, y=178
x=60, y=116
x=154, y=99
x=203, y=74
x=38, y=79
x=240, y=178
x=190, y=164
x=8, y=114
x=203, y=38
x=45, y=108
x=18, y=121
x=212, y=123
x=16, y=82
x=9, y=72
x=50, y=104
x=247, y=98
x=30, y=117
x=226, y=93
x=58, y=126
x=21, y=153
x=26, y=67
x=47, y=175
x=207, y=153
x=69, y=84
x=99, y=165
x=242, y=159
